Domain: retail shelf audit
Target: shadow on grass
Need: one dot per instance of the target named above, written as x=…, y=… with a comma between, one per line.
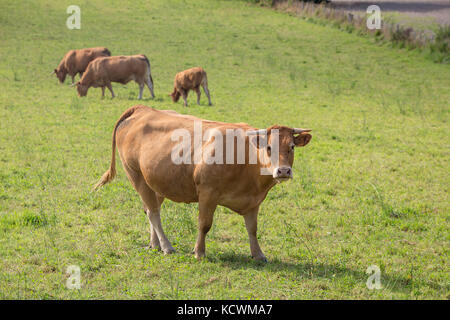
x=308, y=270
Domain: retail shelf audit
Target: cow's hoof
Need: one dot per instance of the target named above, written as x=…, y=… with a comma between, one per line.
x=153, y=247
x=169, y=250
x=199, y=255
x=261, y=258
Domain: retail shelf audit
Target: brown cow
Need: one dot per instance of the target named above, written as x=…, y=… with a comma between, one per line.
x=190, y=79
x=102, y=71
x=76, y=61
x=148, y=143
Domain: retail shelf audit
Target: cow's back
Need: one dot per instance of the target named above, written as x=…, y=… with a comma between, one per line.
x=121, y=69
x=78, y=60
x=190, y=78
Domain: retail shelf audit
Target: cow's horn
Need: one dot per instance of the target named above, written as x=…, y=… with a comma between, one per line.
x=53, y=72
x=73, y=84
x=256, y=132
x=299, y=130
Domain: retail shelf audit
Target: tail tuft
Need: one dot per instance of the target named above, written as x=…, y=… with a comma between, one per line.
x=106, y=177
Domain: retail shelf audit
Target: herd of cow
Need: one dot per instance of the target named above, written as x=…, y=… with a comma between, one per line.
x=97, y=68
x=145, y=141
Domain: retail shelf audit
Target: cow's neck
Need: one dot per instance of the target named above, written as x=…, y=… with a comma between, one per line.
x=265, y=181
x=62, y=66
x=262, y=184
x=85, y=81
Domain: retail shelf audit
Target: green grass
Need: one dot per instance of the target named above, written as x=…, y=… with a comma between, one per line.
x=370, y=189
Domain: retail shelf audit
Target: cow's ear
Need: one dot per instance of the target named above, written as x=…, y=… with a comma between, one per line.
x=302, y=139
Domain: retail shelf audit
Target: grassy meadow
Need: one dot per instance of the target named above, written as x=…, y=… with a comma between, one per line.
x=371, y=188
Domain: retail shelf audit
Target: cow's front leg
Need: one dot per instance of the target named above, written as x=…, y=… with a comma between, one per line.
x=103, y=91
x=205, y=218
x=251, y=223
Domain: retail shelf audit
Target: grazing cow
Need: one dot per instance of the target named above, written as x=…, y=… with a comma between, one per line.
x=148, y=140
x=102, y=71
x=190, y=79
x=76, y=61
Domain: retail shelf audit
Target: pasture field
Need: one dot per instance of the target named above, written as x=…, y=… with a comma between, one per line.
x=371, y=188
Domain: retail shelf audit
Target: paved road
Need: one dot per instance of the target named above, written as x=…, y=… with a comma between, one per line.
x=437, y=9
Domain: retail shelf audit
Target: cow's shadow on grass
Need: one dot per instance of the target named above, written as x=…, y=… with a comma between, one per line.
x=305, y=269
x=308, y=270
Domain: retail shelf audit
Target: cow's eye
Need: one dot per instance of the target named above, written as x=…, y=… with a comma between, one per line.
x=269, y=149
x=293, y=147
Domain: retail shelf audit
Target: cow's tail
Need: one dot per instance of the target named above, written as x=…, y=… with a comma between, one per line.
x=148, y=65
x=111, y=172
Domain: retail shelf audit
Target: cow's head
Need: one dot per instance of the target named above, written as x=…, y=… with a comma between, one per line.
x=82, y=89
x=175, y=95
x=60, y=74
x=282, y=141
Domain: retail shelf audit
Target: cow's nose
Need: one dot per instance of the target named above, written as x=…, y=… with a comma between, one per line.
x=283, y=172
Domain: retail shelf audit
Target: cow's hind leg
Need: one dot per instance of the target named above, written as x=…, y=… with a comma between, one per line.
x=154, y=240
x=110, y=89
x=141, y=89
x=206, y=206
x=205, y=88
x=150, y=86
x=197, y=90
x=153, y=204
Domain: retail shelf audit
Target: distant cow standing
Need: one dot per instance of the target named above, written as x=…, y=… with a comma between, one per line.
x=76, y=61
x=190, y=79
x=102, y=71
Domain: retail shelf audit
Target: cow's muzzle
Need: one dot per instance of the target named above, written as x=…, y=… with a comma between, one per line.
x=282, y=173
